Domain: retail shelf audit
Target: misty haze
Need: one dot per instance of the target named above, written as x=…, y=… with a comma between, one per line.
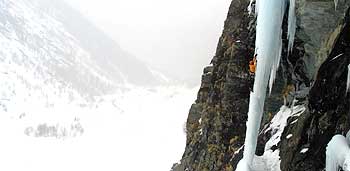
x=101, y=85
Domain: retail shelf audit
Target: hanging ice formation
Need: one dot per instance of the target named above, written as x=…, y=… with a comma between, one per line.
x=291, y=24
x=268, y=47
x=335, y=4
x=338, y=154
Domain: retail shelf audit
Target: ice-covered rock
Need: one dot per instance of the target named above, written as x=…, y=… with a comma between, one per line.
x=338, y=154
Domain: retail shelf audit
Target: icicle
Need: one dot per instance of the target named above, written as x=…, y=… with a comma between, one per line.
x=348, y=137
x=250, y=7
x=337, y=56
x=257, y=4
x=291, y=25
x=348, y=80
x=276, y=62
x=268, y=49
x=335, y=4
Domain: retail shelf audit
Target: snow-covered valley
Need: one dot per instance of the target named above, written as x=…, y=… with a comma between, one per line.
x=137, y=126
x=72, y=99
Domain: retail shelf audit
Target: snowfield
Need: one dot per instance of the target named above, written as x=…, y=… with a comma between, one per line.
x=139, y=129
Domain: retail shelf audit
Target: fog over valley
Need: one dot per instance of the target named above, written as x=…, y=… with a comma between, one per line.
x=99, y=85
x=177, y=37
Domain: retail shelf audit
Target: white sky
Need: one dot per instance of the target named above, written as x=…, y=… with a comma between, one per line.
x=179, y=37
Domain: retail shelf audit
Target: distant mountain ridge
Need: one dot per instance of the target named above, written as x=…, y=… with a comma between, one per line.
x=51, y=41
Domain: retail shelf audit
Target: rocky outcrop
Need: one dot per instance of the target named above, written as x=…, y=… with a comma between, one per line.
x=311, y=75
x=318, y=25
x=328, y=113
x=222, y=98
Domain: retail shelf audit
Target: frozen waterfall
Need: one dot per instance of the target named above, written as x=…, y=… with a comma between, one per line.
x=268, y=47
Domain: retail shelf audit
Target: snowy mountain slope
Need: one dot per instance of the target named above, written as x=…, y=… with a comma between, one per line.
x=106, y=52
x=53, y=59
x=71, y=99
x=58, y=46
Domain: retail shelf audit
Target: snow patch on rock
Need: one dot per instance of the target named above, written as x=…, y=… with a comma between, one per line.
x=270, y=160
x=304, y=150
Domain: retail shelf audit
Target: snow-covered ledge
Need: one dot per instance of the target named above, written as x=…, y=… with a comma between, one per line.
x=338, y=153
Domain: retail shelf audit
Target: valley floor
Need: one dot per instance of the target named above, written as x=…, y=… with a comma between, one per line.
x=138, y=129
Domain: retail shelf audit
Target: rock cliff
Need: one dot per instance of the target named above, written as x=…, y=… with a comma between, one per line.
x=314, y=75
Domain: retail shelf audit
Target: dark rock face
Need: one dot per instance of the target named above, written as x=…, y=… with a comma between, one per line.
x=222, y=99
x=318, y=26
x=328, y=111
x=216, y=122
